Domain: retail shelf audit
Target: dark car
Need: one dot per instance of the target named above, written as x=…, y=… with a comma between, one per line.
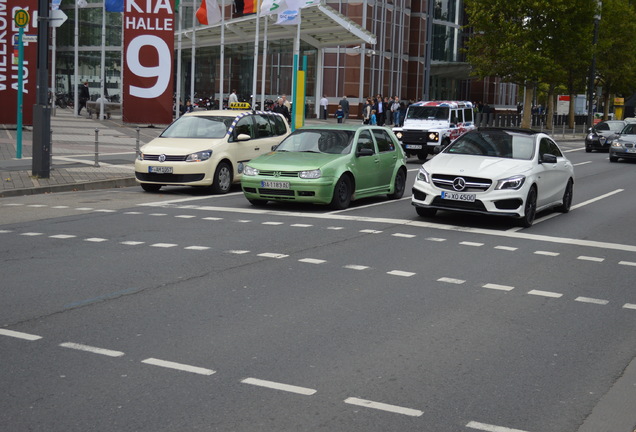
x=623, y=144
x=596, y=138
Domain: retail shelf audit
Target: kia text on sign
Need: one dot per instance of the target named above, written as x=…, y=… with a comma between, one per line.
x=148, y=51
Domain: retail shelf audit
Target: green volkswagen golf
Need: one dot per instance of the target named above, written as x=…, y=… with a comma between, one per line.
x=330, y=165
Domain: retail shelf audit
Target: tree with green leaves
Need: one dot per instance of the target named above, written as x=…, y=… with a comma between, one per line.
x=530, y=41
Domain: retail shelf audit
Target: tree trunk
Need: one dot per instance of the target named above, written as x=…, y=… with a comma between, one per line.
x=526, y=121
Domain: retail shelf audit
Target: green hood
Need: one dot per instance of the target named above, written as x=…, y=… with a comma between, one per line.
x=294, y=161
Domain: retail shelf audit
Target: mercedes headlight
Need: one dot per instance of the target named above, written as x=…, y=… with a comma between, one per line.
x=511, y=183
x=422, y=175
x=199, y=156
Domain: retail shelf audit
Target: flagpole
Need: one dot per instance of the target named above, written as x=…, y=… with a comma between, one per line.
x=264, y=68
x=295, y=72
x=255, y=71
x=76, y=63
x=103, y=63
x=222, y=75
x=192, y=60
x=177, y=110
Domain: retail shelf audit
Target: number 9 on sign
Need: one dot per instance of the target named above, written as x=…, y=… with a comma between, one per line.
x=162, y=71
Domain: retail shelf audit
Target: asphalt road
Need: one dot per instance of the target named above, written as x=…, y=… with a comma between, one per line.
x=181, y=311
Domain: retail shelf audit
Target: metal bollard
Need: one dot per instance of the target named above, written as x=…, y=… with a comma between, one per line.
x=563, y=133
x=137, y=144
x=96, y=148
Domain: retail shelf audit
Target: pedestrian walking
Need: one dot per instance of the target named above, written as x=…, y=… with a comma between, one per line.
x=84, y=96
x=344, y=103
x=324, y=103
x=340, y=114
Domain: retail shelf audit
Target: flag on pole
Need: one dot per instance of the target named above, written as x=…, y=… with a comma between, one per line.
x=288, y=17
x=114, y=5
x=245, y=7
x=209, y=13
x=269, y=7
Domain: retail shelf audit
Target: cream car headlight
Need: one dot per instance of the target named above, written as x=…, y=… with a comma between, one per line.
x=511, y=183
x=311, y=174
x=433, y=136
x=422, y=175
x=199, y=156
x=250, y=171
x=398, y=135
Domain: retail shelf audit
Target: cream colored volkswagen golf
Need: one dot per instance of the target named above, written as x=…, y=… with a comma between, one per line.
x=208, y=149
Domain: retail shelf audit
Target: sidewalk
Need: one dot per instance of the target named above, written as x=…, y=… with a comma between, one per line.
x=73, y=164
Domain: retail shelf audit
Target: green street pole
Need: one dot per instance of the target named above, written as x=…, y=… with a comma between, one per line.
x=18, y=147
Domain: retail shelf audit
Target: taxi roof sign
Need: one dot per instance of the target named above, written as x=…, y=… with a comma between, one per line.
x=240, y=105
x=21, y=18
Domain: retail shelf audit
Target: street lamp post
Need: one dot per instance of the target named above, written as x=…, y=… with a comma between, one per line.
x=592, y=77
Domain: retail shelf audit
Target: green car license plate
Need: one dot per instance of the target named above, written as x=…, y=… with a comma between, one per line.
x=275, y=184
x=456, y=196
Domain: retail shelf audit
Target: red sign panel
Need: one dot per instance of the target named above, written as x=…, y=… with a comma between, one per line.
x=9, y=62
x=148, y=61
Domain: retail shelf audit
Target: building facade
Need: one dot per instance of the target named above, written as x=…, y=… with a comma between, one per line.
x=417, y=55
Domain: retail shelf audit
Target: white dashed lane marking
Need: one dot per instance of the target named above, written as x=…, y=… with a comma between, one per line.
x=490, y=428
x=272, y=255
x=19, y=335
x=506, y=248
x=545, y=294
x=91, y=349
x=589, y=258
x=238, y=252
x=451, y=280
x=355, y=267
x=96, y=239
x=383, y=407
x=403, y=235
x=178, y=366
x=62, y=236
x=400, y=273
x=467, y=243
x=628, y=263
x=312, y=261
x=279, y=386
x=591, y=300
x=164, y=245
x=498, y=287
x=546, y=253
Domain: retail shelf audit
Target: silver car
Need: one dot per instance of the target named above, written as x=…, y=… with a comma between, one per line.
x=623, y=144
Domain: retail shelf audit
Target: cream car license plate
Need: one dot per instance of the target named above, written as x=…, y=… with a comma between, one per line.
x=456, y=196
x=275, y=184
x=160, y=169
x=414, y=147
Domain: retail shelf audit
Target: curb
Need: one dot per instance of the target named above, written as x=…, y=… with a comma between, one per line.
x=94, y=185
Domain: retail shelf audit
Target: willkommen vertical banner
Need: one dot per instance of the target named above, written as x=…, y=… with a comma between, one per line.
x=9, y=62
x=148, y=61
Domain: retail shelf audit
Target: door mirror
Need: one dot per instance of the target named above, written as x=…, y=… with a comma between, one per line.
x=365, y=152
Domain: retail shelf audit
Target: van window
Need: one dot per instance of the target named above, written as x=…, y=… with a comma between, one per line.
x=468, y=115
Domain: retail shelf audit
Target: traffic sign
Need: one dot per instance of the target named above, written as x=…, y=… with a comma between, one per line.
x=58, y=17
x=21, y=18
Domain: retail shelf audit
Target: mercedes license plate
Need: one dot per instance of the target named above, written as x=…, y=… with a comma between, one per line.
x=275, y=184
x=414, y=147
x=160, y=169
x=457, y=196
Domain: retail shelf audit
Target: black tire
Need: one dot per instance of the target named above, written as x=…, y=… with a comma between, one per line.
x=613, y=158
x=426, y=212
x=567, y=198
x=151, y=187
x=222, y=180
x=399, y=185
x=530, y=208
x=257, y=202
x=422, y=157
x=588, y=149
x=341, y=194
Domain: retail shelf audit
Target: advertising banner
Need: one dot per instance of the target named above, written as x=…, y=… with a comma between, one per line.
x=9, y=61
x=148, y=61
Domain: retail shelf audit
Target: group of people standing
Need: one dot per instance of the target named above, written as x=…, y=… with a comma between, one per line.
x=384, y=111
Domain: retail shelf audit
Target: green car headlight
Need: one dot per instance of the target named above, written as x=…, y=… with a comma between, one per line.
x=311, y=174
x=250, y=171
